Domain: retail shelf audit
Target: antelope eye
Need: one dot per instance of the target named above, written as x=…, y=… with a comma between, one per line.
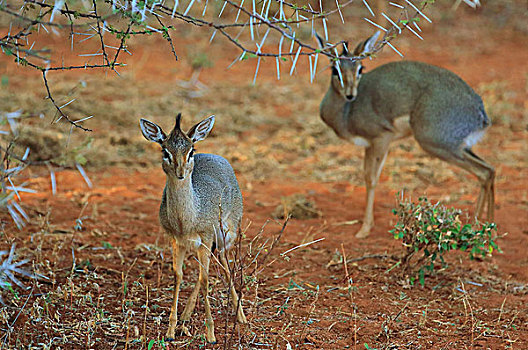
x=360, y=70
x=166, y=155
x=191, y=153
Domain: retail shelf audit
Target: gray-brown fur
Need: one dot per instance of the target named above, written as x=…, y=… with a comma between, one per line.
x=441, y=106
x=193, y=205
x=201, y=208
x=406, y=98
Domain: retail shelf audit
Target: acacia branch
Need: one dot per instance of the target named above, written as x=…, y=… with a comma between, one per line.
x=135, y=13
x=100, y=34
x=59, y=109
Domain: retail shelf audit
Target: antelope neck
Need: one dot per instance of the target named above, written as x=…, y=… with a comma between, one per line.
x=182, y=199
x=336, y=115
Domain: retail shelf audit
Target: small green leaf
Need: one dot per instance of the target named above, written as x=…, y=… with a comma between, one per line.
x=79, y=158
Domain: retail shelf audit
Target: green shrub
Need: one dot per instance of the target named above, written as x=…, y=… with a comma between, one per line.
x=428, y=231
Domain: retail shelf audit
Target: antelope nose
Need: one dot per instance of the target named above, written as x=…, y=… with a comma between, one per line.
x=179, y=174
x=351, y=97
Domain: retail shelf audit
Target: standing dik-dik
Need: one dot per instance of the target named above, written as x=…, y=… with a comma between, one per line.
x=405, y=98
x=201, y=195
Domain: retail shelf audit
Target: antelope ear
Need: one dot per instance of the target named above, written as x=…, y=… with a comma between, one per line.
x=152, y=131
x=370, y=42
x=320, y=41
x=201, y=130
x=344, y=52
x=367, y=45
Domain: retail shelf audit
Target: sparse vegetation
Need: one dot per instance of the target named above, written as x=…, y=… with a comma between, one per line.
x=9, y=269
x=110, y=280
x=429, y=231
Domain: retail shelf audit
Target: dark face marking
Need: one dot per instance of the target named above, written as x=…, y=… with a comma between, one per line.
x=166, y=155
x=177, y=152
x=190, y=154
x=346, y=77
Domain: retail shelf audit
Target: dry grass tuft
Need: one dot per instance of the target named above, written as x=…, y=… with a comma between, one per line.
x=296, y=206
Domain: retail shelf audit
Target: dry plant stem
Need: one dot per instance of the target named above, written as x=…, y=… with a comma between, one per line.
x=71, y=293
x=467, y=305
x=350, y=295
x=386, y=327
x=259, y=249
x=372, y=256
x=146, y=313
x=124, y=278
x=307, y=319
x=70, y=19
x=281, y=333
x=160, y=272
x=127, y=333
x=236, y=295
x=501, y=310
x=5, y=161
x=302, y=246
x=273, y=245
x=10, y=327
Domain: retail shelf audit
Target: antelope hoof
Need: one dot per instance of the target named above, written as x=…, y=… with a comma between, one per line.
x=170, y=336
x=364, y=231
x=211, y=339
x=181, y=331
x=210, y=334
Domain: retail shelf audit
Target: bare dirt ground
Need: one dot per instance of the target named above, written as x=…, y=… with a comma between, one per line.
x=108, y=264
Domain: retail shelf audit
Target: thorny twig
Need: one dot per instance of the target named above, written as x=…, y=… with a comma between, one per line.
x=37, y=14
x=167, y=36
x=59, y=109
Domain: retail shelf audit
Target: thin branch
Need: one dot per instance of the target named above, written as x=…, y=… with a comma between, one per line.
x=100, y=34
x=59, y=110
x=166, y=36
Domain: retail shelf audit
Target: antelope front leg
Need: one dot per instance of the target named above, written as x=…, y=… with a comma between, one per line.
x=178, y=254
x=191, y=303
x=375, y=156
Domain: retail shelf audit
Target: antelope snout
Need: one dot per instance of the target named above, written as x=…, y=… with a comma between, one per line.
x=351, y=93
x=180, y=172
